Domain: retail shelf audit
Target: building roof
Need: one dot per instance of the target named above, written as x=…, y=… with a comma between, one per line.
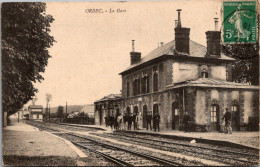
x=110, y=97
x=196, y=50
x=89, y=109
x=35, y=106
x=209, y=82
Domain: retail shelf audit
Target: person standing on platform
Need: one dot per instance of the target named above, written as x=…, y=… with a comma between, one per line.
x=149, y=120
x=138, y=121
x=106, y=121
x=111, y=121
x=186, y=120
x=119, y=121
x=115, y=122
x=130, y=119
x=227, y=117
x=134, y=121
x=125, y=120
x=157, y=122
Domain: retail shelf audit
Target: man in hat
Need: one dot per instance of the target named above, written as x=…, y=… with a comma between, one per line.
x=149, y=120
x=186, y=121
x=227, y=117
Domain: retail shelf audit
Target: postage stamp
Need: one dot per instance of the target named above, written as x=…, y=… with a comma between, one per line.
x=239, y=22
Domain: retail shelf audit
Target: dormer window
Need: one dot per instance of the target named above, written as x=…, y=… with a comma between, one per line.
x=204, y=74
x=204, y=71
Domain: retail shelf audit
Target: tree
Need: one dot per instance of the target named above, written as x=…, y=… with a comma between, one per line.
x=25, y=42
x=34, y=99
x=60, y=113
x=245, y=68
x=48, y=99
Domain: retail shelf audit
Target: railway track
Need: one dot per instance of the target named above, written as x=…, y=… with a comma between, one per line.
x=229, y=157
x=120, y=156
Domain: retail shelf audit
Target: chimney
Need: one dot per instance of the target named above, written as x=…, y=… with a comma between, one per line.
x=134, y=56
x=182, y=36
x=213, y=42
x=176, y=22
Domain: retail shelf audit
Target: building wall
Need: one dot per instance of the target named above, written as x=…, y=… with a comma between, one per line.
x=246, y=101
x=165, y=77
x=182, y=71
x=248, y=106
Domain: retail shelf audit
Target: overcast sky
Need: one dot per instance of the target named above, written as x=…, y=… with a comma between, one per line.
x=92, y=49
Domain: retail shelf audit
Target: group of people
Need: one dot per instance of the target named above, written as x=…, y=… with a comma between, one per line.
x=226, y=120
x=125, y=122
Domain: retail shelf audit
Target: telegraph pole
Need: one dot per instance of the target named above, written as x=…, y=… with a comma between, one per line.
x=66, y=112
x=49, y=113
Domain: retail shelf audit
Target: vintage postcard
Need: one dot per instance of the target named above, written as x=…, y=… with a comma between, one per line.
x=130, y=83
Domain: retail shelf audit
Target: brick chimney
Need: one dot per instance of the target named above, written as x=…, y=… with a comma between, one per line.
x=182, y=36
x=134, y=56
x=213, y=42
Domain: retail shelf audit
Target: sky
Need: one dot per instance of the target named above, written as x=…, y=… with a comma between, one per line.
x=93, y=48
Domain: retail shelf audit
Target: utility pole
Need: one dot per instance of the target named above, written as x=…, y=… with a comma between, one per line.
x=66, y=113
x=49, y=113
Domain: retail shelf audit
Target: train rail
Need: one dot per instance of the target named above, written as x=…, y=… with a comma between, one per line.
x=119, y=155
x=229, y=157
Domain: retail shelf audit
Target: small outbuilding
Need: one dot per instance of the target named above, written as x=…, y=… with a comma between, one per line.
x=35, y=112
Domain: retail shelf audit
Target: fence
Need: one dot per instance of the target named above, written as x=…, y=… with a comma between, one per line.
x=85, y=120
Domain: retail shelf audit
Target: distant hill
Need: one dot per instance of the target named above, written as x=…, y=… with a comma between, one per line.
x=70, y=108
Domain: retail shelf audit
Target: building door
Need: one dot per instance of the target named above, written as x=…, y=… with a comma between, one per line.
x=214, y=117
x=144, y=116
x=175, y=116
x=155, y=111
x=235, y=122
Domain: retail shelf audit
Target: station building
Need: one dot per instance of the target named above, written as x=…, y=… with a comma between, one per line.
x=185, y=76
x=35, y=112
x=109, y=105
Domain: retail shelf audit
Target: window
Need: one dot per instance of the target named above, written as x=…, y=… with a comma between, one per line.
x=137, y=86
x=147, y=84
x=234, y=108
x=176, y=111
x=204, y=74
x=213, y=114
x=155, y=81
x=204, y=71
x=37, y=116
x=127, y=89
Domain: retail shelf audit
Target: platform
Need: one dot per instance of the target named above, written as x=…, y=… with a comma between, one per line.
x=243, y=138
x=25, y=145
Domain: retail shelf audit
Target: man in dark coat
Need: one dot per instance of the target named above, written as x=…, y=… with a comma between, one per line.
x=111, y=121
x=157, y=119
x=186, y=120
x=149, y=120
x=134, y=121
x=130, y=119
x=106, y=121
x=227, y=117
x=125, y=120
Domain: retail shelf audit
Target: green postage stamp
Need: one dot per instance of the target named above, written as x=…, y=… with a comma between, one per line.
x=240, y=22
